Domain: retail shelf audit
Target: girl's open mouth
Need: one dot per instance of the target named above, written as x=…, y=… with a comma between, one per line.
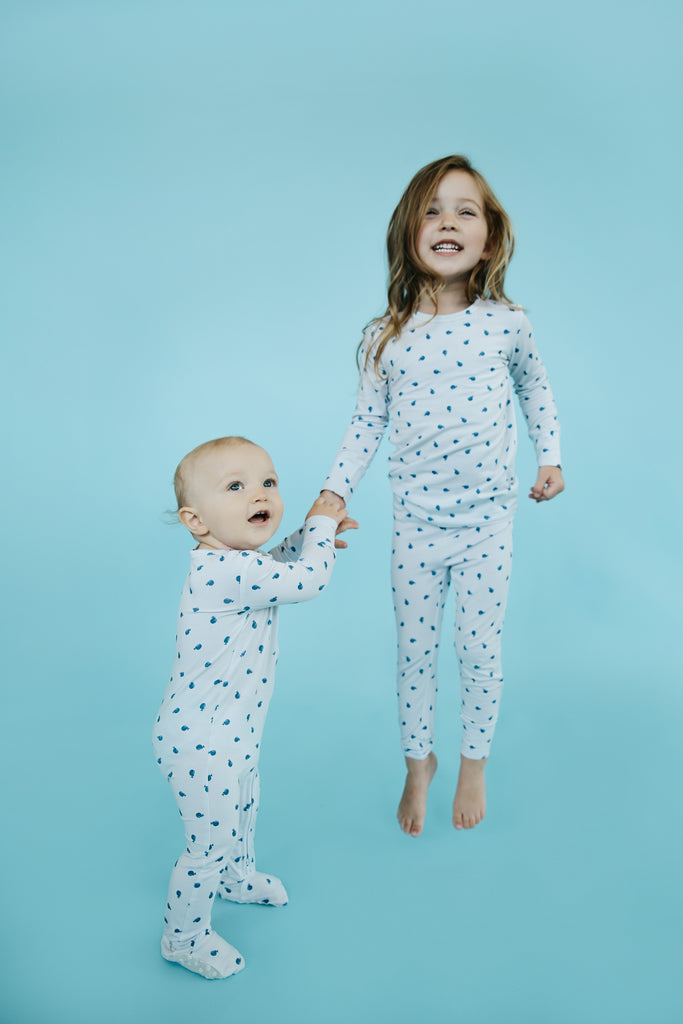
x=259, y=517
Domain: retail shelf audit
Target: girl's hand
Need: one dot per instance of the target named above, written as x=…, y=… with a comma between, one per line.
x=333, y=497
x=346, y=524
x=549, y=484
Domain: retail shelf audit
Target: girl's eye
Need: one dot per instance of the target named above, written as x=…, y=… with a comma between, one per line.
x=470, y=213
x=431, y=212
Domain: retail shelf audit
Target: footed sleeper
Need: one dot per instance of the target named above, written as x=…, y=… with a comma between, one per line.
x=207, y=734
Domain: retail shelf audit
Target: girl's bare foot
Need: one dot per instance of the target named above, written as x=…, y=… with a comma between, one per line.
x=413, y=806
x=469, y=805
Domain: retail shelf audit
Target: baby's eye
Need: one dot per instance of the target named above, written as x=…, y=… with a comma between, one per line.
x=270, y=482
x=234, y=486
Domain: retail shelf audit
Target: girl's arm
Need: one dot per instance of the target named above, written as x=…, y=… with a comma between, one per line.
x=362, y=439
x=535, y=397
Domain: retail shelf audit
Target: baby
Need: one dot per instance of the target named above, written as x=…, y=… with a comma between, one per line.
x=207, y=736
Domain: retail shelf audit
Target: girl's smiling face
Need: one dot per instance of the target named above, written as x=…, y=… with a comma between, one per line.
x=234, y=501
x=453, y=237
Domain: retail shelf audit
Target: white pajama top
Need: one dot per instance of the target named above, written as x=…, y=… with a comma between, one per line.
x=447, y=385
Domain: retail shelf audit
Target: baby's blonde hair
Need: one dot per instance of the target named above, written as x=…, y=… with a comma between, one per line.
x=409, y=278
x=180, y=479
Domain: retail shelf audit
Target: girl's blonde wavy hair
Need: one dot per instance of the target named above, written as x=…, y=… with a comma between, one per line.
x=410, y=280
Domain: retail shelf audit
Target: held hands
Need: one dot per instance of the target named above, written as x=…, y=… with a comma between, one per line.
x=549, y=484
x=331, y=505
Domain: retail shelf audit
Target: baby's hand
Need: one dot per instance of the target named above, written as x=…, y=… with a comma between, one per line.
x=330, y=504
x=549, y=484
x=332, y=509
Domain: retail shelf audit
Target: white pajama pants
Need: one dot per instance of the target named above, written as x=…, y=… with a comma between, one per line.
x=476, y=561
x=216, y=785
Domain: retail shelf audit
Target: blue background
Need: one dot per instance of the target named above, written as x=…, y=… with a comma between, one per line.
x=195, y=202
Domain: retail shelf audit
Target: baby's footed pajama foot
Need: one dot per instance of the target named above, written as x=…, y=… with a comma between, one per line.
x=208, y=955
x=255, y=888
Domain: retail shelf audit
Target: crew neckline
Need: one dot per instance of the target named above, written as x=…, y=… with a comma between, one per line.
x=425, y=317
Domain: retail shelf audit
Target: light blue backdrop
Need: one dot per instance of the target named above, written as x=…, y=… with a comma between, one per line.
x=194, y=205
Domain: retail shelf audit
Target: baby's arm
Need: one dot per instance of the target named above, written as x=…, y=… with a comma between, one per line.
x=290, y=549
x=330, y=504
x=271, y=579
x=346, y=524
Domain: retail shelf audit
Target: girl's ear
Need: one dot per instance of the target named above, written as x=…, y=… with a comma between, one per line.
x=190, y=518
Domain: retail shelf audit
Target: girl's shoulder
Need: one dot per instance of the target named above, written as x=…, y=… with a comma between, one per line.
x=505, y=310
x=372, y=337
x=511, y=319
x=374, y=328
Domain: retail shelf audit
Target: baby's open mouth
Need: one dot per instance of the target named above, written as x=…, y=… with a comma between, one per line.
x=259, y=517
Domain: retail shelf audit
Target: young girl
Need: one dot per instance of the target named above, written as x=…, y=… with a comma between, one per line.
x=207, y=735
x=439, y=363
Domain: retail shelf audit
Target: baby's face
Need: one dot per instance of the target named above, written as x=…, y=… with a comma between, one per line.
x=234, y=490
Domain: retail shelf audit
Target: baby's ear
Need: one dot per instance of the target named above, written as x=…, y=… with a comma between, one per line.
x=190, y=518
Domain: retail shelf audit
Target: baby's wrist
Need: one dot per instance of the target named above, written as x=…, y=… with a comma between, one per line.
x=322, y=521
